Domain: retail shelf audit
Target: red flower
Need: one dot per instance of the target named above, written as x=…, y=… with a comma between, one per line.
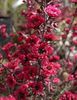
x=40, y=50
x=8, y=46
x=44, y=49
x=33, y=39
x=11, y=81
x=37, y=87
x=56, y=80
x=13, y=64
x=30, y=72
x=68, y=20
x=20, y=39
x=35, y=21
x=19, y=75
x=51, y=37
x=21, y=92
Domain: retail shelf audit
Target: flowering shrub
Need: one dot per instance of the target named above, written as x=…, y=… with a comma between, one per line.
x=42, y=63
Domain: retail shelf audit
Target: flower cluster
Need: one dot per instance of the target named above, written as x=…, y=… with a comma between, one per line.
x=41, y=63
x=68, y=96
x=53, y=11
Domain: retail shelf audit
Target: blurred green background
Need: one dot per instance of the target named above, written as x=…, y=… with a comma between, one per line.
x=12, y=8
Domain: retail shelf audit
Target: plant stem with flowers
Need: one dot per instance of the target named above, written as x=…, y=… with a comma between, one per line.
x=37, y=67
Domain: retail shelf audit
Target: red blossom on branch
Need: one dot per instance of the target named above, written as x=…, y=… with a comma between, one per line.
x=40, y=60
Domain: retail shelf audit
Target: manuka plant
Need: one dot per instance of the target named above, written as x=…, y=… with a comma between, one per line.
x=42, y=63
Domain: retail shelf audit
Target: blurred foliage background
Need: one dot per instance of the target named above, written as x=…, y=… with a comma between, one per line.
x=7, y=9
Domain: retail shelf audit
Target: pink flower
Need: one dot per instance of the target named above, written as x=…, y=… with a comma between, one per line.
x=52, y=11
x=10, y=97
x=51, y=68
x=48, y=72
x=56, y=80
x=70, y=77
x=54, y=58
x=68, y=96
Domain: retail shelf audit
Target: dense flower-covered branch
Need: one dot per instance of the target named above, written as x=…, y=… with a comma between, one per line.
x=40, y=60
